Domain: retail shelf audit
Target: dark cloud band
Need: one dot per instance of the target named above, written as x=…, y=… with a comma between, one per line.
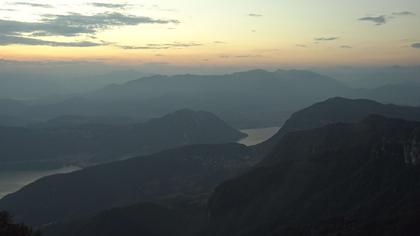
x=378, y=20
x=70, y=25
x=326, y=38
x=32, y=4
x=110, y=5
x=10, y=40
x=175, y=45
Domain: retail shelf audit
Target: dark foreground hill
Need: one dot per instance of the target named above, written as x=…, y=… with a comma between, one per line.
x=145, y=219
x=185, y=173
x=10, y=228
x=343, y=179
x=95, y=142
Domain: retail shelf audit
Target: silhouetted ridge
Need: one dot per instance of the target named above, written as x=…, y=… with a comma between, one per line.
x=366, y=173
x=339, y=109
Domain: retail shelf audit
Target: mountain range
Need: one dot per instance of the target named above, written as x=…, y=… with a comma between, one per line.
x=342, y=172
x=81, y=140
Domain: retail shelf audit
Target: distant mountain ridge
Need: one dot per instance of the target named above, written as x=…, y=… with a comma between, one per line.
x=245, y=99
x=96, y=142
x=342, y=110
x=249, y=99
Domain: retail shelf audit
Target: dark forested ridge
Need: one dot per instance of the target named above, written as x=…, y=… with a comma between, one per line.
x=343, y=179
x=10, y=228
x=336, y=110
x=146, y=219
x=185, y=173
x=76, y=140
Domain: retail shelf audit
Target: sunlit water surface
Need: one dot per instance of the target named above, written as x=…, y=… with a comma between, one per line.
x=11, y=181
x=256, y=136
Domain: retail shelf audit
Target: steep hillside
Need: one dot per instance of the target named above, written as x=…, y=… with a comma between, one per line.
x=343, y=179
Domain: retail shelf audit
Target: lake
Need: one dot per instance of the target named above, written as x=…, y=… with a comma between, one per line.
x=11, y=181
x=256, y=136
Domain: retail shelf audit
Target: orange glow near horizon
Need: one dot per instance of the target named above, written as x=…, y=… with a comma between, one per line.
x=267, y=32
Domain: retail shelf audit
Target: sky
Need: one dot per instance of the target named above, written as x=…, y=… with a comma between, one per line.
x=254, y=33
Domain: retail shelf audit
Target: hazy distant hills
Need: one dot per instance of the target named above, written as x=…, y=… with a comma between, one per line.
x=35, y=84
x=246, y=99
x=374, y=77
x=68, y=121
x=338, y=109
x=25, y=86
x=249, y=99
x=187, y=173
x=73, y=140
x=342, y=179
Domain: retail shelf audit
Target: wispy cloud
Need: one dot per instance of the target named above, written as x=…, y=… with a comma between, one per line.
x=69, y=25
x=157, y=46
x=248, y=56
x=326, y=38
x=378, y=20
x=301, y=45
x=75, y=24
x=240, y=56
x=346, y=46
x=254, y=15
x=31, y=4
x=10, y=40
x=110, y=5
x=404, y=13
x=383, y=19
x=415, y=45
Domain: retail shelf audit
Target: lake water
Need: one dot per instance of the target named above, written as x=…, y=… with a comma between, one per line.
x=256, y=136
x=11, y=181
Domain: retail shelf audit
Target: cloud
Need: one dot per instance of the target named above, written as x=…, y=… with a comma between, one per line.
x=254, y=15
x=10, y=40
x=248, y=56
x=326, y=38
x=240, y=56
x=70, y=25
x=415, y=45
x=74, y=24
x=110, y=5
x=219, y=42
x=301, y=45
x=378, y=20
x=346, y=46
x=32, y=4
x=175, y=45
x=404, y=13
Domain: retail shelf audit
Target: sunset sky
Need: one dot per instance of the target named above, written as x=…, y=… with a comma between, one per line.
x=216, y=32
